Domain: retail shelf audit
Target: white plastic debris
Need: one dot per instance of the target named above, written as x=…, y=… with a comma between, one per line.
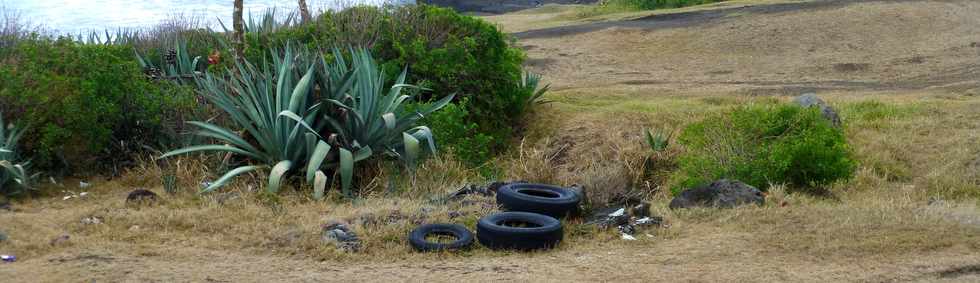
x=628, y=237
x=82, y=185
x=618, y=213
x=83, y=194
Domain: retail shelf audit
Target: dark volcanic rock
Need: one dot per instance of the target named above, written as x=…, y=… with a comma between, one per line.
x=811, y=100
x=723, y=193
x=141, y=196
x=341, y=236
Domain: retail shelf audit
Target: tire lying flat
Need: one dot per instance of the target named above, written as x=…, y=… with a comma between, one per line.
x=464, y=238
x=549, y=200
x=542, y=231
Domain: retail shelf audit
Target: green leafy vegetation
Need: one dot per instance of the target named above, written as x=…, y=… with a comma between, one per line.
x=14, y=176
x=88, y=105
x=286, y=129
x=447, y=52
x=763, y=145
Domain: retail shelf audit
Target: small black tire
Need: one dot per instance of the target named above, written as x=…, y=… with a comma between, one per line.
x=549, y=200
x=493, y=233
x=464, y=238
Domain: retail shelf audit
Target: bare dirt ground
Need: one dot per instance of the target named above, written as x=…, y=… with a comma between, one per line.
x=922, y=57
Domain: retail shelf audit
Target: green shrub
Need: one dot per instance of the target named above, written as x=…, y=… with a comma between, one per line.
x=86, y=104
x=447, y=52
x=456, y=134
x=763, y=145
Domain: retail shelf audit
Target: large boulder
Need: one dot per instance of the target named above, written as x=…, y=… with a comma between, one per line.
x=808, y=100
x=723, y=193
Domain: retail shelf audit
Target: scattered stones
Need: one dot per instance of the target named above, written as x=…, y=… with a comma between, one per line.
x=141, y=196
x=60, y=240
x=811, y=100
x=341, y=236
x=723, y=193
x=91, y=220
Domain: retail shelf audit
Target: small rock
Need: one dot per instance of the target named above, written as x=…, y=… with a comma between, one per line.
x=341, y=236
x=723, y=193
x=91, y=220
x=811, y=100
x=134, y=228
x=641, y=210
x=60, y=240
x=627, y=229
x=141, y=196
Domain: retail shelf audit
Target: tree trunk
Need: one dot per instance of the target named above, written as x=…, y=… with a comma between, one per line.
x=239, y=25
x=304, y=11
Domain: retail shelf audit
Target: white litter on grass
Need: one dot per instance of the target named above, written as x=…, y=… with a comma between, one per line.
x=83, y=194
x=644, y=220
x=83, y=185
x=628, y=237
x=618, y=213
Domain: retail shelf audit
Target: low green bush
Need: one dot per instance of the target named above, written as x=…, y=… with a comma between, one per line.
x=454, y=133
x=87, y=105
x=763, y=145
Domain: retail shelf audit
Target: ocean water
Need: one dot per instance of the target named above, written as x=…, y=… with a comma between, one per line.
x=82, y=16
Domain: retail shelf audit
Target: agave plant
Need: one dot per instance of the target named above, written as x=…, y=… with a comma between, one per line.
x=271, y=105
x=275, y=108
x=367, y=117
x=658, y=141
x=177, y=64
x=13, y=176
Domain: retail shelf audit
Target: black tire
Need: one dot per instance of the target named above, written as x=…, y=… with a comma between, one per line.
x=493, y=232
x=464, y=238
x=549, y=200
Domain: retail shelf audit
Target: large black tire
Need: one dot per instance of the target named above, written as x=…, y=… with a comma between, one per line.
x=549, y=200
x=464, y=238
x=543, y=232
